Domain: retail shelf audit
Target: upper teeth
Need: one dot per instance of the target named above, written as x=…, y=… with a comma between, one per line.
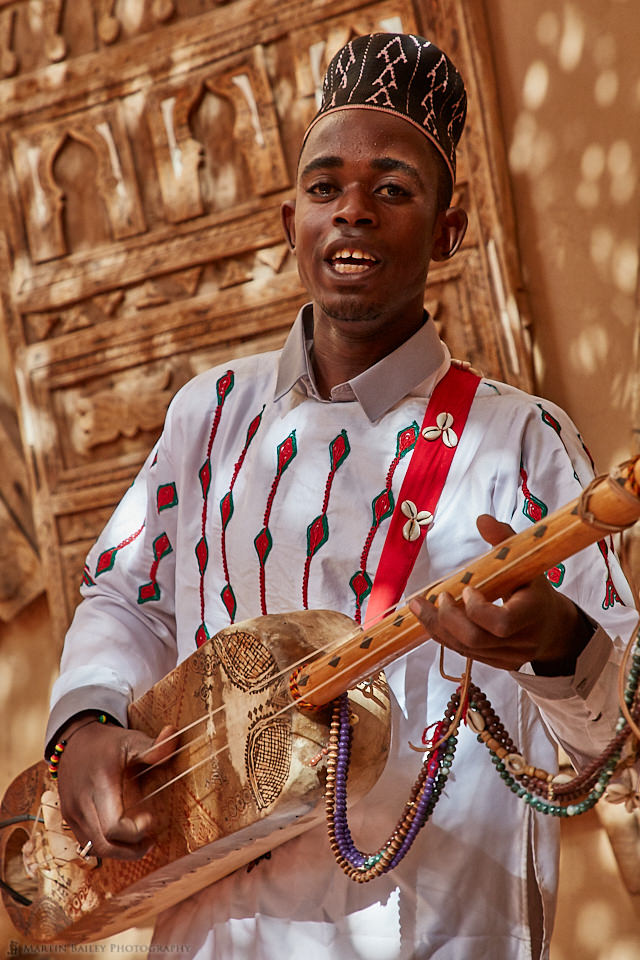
x=352, y=255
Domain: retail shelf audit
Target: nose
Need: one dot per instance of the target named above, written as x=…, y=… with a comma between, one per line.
x=355, y=208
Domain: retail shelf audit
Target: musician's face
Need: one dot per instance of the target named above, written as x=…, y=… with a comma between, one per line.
x=367, y=222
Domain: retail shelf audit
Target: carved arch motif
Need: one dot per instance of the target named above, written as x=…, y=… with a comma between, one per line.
x=35, y=151
x=244, y=84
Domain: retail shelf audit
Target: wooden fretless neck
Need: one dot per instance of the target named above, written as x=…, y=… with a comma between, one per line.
x=611, y=503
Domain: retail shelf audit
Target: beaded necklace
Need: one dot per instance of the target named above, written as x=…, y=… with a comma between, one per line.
x=555, y=795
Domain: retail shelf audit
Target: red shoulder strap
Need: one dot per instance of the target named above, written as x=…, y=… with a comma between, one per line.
x=444, y=421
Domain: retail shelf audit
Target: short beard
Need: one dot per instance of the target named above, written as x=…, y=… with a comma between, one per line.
x=351, y=310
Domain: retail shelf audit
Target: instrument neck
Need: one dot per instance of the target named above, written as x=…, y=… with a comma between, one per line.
x=614, y=501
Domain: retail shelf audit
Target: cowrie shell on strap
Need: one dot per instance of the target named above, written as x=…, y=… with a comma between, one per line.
x=443, y=430
x=417, y=519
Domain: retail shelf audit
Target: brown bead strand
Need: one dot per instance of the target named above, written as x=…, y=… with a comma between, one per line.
x=536, y=780
x=389, y=850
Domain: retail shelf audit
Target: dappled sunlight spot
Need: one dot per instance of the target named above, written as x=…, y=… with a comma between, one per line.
x=625, y=267
x=606, y=88
x=624, y=172
x=621, y=397
x=539, y=362
x=624, y=950
x=536, y=84
x=593, y=161
x=572, y=39
x=532, y=149
x=601, y=247
x=589, y=350
x=548, y=29
x=623, y=188
x=616, y=260
x=595, y=924
x=619, y=158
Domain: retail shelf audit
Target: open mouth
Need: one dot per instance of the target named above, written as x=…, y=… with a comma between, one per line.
x=350, y=260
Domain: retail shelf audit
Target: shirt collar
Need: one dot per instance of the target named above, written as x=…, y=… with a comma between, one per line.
x=413, y=369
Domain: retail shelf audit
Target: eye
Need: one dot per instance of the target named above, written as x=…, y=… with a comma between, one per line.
x=322, y=189
x=393, y=191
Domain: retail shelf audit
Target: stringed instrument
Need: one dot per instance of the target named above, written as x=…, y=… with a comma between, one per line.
x=247, y=772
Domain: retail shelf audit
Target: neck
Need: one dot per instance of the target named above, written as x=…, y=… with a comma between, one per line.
x=346, y=348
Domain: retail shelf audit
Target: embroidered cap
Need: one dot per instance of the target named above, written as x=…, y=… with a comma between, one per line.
x=402, y=74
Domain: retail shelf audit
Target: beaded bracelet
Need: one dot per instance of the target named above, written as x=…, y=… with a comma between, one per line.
x=58, y=750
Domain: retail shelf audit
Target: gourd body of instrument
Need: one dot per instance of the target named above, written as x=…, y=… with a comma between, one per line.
x=251, y=781
x=255, y=783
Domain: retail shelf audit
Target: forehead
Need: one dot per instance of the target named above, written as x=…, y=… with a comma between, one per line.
x=360, y=134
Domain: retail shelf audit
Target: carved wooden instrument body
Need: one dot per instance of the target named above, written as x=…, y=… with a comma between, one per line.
x=253, y=783
x=245, y=778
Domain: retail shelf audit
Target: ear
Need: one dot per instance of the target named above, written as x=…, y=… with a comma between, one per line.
x=288, y=215
x=449, y=232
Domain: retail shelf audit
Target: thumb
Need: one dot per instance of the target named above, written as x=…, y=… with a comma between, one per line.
x=147, y=751
x=492, y=530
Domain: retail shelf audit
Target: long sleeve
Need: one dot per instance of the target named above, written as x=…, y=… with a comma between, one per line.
x=581, y=710
x=122, y=638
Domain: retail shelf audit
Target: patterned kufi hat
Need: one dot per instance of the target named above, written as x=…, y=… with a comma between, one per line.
x=402, y=74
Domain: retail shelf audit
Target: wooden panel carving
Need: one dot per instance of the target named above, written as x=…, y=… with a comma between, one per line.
x=147, y=147
x=107, y=173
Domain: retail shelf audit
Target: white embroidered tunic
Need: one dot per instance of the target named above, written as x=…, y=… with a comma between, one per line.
x=261, y=498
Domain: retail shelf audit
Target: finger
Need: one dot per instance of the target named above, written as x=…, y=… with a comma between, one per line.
x=492, y=530
x=454, y=629
x=501, y=620
x=131, y=833
x=151, y=752
x=443, y=621
x=119, y=833
x=90, y=829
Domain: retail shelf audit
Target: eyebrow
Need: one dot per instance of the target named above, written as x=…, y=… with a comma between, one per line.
x=392, y=163
x=379, y=163
x=320, y=163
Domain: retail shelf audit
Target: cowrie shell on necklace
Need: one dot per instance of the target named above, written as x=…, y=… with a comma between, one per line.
x=442, y=431
x=417, y=519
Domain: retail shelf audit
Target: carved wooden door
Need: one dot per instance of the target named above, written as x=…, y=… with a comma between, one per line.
x=146, y=147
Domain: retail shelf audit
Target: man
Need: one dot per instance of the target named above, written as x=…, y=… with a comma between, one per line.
x=361, y=363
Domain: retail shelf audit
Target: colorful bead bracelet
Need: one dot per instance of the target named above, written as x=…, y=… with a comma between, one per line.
x=58, y=750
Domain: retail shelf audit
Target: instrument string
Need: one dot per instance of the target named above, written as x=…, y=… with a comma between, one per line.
x=334, y=645
x=379, y=626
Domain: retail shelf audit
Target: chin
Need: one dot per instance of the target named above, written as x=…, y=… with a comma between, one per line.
x=350, y=309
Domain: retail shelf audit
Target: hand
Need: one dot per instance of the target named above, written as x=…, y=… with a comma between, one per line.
x=91, y=776
x=535, y=623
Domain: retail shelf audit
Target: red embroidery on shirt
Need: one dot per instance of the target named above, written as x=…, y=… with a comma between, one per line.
x=223, y=387
x=226, y=512
x=555, y=575
x=166, y=497
x=151, y=590
x=549, y=420
x=533, y=508
x=107, y=558
x=318, y=529
x=287, y=450
x=611, y=595
x=382, y=508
